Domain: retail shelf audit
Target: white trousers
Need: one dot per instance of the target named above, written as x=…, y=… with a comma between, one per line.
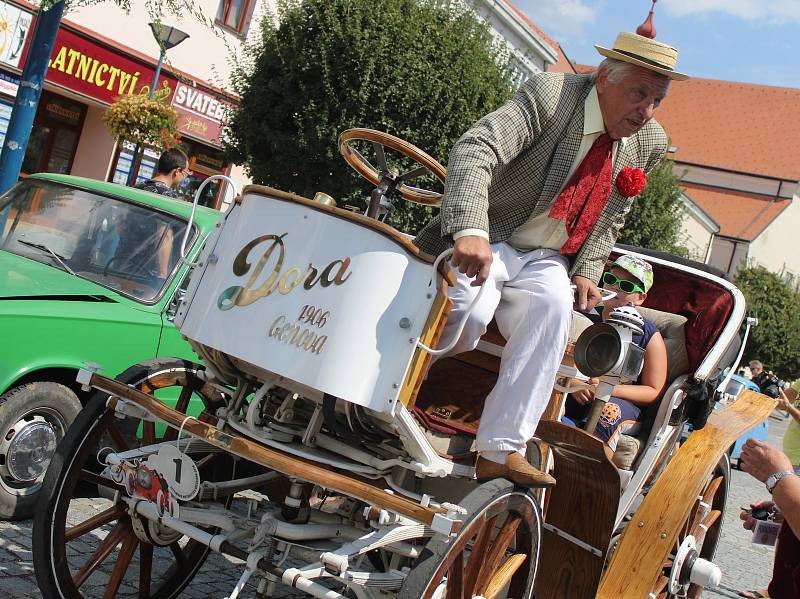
x=529, y=294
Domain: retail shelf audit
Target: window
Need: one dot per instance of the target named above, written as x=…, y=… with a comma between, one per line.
x=130, y=248
x=235, y=14
x=54, y=138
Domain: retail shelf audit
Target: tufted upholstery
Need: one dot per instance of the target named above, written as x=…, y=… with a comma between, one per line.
x=671, y=327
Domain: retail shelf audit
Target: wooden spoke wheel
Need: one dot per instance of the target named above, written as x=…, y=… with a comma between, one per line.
x=493, y=556
x=704, y=524
x=87, y=546
x=425, y=164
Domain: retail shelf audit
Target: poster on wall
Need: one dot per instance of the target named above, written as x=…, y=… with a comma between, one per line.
x=9, y=84
x=14, y=26
x=5, y=117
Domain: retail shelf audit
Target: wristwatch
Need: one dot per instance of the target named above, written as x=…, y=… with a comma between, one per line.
x=773, y=480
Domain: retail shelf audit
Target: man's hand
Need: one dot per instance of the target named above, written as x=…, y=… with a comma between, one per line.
x=473, y=257
x=587, y=294
x=783, y=403
x=761, y=461
x=585, y=396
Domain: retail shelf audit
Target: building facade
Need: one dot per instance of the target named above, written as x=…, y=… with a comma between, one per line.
x=102, y=53
x=530, y=49
x=735, y=147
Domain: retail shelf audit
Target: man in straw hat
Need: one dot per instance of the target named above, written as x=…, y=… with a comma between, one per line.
x=534, y=198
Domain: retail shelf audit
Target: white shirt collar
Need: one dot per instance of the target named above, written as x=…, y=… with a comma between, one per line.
x=592, y=117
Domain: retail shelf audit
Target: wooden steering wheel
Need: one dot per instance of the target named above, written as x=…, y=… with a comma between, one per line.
x=374, y=175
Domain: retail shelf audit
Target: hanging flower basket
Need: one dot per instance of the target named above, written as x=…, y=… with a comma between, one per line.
x=143, y=120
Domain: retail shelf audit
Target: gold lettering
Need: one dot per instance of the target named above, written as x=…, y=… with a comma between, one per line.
x=294, y=335
x=288, y=331
x=310, y=341
x=248, y=295
x=73, y=56
x=97, y=78
x=58, y=62
x=113, y=72
x=297, y=333
x=277, y=324
x=302, y=338
x=134, y=82
x=83, y=67
x=284, y=286
x=335, y=273
x=319, y=344
x=325, y=279
x=124, y=78
x=95, y=64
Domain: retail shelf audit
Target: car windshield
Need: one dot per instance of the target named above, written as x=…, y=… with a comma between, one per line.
x=127, y=247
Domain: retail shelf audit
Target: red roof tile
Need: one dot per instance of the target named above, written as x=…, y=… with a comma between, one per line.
x=563, y=64
x=585, y=68
x=531, y=24
x=740, y=215
x=736, y=126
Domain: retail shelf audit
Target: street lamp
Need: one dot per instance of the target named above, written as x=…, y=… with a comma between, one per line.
x=167, y=37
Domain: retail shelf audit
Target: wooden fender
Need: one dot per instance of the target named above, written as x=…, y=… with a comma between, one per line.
x=654, y=528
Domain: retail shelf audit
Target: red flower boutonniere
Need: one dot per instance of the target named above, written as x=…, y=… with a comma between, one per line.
x=631, y=182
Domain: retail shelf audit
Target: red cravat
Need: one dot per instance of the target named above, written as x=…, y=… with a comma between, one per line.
x=585, y=195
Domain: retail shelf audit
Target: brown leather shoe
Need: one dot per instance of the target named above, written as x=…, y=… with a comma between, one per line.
x=516, y=469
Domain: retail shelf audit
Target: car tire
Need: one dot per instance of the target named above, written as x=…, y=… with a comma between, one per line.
x=42, y=402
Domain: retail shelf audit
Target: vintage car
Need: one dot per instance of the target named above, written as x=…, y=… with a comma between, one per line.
x=89, y=272
x=351, y=454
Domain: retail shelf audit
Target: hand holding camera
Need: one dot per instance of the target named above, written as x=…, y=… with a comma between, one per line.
x=768, y=383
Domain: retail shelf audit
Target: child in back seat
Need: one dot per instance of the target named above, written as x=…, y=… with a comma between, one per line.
x=631, y=277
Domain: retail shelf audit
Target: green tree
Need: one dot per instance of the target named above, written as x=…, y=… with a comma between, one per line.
x=423, y=70
x=656, y=217
x=776, y=339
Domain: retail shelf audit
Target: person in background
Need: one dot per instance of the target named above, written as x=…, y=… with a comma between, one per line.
x=756, y=368
x=171, y=170
x=791, y=438
x=774, y=468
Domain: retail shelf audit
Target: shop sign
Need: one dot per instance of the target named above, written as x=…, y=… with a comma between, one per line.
x=14, y=26
x=9, y=84
x=209, y=159
x=83, y=66
x=63, y=110
x=200, y=113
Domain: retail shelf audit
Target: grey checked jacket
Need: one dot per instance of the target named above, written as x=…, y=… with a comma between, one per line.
x=511, y=164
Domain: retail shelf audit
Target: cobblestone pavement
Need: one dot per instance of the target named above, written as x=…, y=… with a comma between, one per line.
x=744, y=565
x=216, y=578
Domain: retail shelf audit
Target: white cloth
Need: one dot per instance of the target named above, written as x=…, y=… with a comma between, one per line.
x=529, y=294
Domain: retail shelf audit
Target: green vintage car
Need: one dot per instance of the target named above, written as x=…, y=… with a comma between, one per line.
x=89, y=272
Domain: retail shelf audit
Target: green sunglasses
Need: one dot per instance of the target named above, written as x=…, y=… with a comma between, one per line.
x=625, y=286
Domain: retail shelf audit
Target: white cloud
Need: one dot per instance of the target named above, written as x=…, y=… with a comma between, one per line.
x=559, y=17
x=774, y=11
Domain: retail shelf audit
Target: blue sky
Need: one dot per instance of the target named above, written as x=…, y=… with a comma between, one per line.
x=754, y=41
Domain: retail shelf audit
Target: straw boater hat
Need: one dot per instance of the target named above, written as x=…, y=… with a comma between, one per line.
x=646, y=53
